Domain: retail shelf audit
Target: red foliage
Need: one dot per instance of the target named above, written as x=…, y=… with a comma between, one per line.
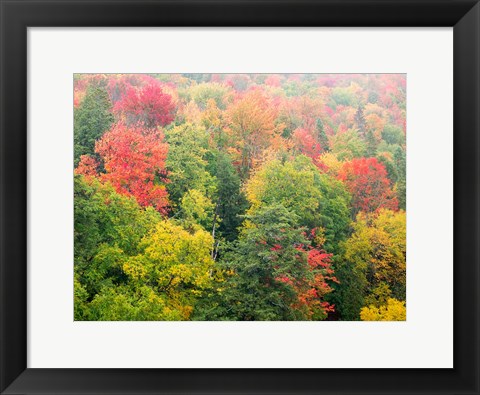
x=135, y=163
x=310, y=297
x=273, y=80
x=310, y=292
x=87, y=166
x=306, y=143
x=147, y=106
x=367, y=181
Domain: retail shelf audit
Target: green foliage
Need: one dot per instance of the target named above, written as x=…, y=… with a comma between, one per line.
x=196, y=208
x=230, y=200
x=401, y=166
x=319, y=200
x=186, y=162
x=392, y=134
x=349, y=294
x=91, y=120
x=343, y=96
x=253, y=291
x=204, y=92
x=322, y=136
x=132, y=265
x=348, y=145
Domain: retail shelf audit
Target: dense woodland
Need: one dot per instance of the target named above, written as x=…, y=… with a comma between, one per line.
x=240, y=197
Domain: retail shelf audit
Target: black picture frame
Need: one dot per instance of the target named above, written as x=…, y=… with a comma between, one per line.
x=18, y=15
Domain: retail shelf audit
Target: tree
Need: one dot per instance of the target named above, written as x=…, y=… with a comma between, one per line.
x=91, y=120
x=322, y=136
x=348, y=145
x=366, y=179
x=135, y=164
x=102, y=216
x=176, y=262
x=230, y=201
x=377, y=248
x=393, y=135
x=317, y=199
x=187, y=163
x=394, y=310
x=147, y=107
x=132, y=265
x=196, y=208
x=252, y=127
x=360, y=121
x=306, y=143
x=274, y=276
x=401, y=166
x=204, y=92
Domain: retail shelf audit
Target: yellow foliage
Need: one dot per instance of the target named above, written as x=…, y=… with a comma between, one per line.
x=179, y=257
x=394, y=310
x=330, y=160
x=379, y=244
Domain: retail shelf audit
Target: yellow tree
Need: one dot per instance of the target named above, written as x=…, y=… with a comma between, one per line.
x=377, y=249
x=251, y=124
x=394, y=310
x=176, y=263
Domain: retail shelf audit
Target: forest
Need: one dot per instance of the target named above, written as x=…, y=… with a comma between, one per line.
x=239, y=197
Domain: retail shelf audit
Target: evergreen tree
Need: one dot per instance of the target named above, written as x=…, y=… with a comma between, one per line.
x=91, y=120
x=360, y=121
x=322, y=136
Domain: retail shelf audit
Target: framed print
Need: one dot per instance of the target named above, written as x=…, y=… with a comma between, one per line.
x=239, y=197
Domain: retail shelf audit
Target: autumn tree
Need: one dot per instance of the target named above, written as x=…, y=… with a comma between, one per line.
x=306, y=143
x=135, y=164
x=394, y=310
x=378, y=248
x=252, y=126
x=202, y=93
x=366, y=179
x=132, y=265
x=273, y=276
x=317, y=199
x=148, y=107
x=108, y=227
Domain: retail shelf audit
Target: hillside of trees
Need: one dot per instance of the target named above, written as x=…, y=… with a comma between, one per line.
x=240, y=197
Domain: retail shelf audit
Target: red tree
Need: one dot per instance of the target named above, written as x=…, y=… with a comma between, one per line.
x=367, y=181
x=311, y=292
x=135, y=164
x=87, y=166
x=306, y=143
x=146, y=106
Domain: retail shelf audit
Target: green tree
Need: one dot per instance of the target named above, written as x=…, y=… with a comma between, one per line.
x=360, y=121
x=92, y=119
x=230, y=201
x=393, y=135
x=319, y=200
x=187, y=163
x=348, y=145
x=322, y=136
x=401, y=165
x=267, y=269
